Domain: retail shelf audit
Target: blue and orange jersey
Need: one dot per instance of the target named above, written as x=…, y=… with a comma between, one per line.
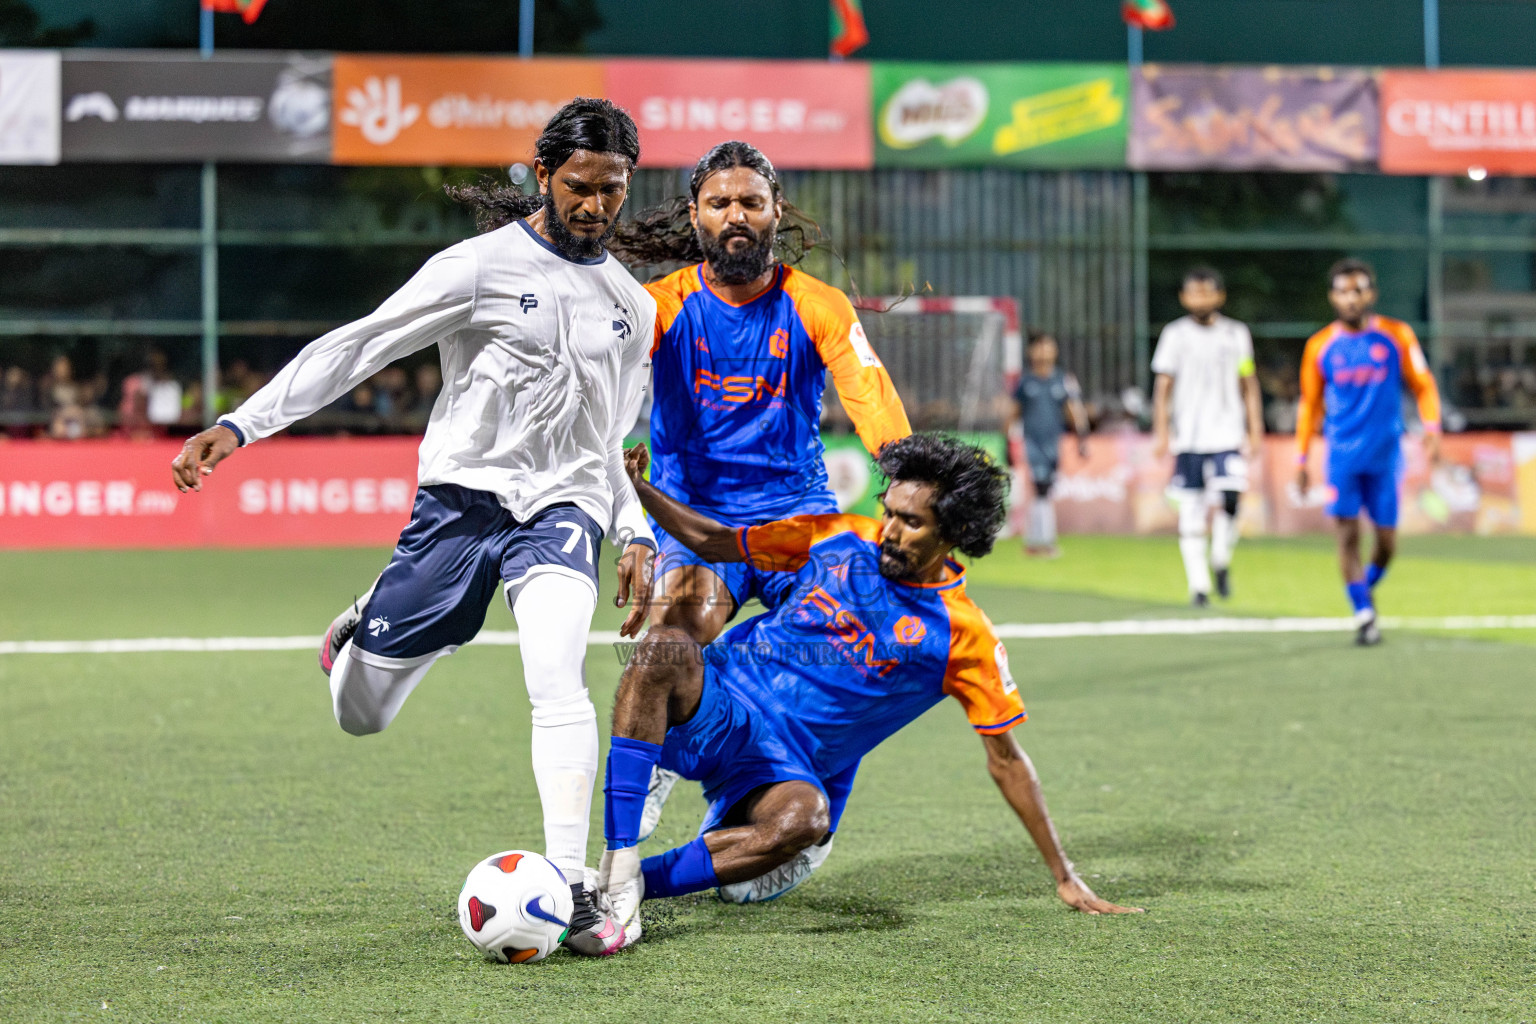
x=850, y=656
x=1355, y=379
x=736, y=422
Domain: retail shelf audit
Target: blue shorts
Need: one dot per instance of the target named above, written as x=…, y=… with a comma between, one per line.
x=732, y=748
x=1374, y=489
x=742, y=580
x=1213, y=471
x=458, y=546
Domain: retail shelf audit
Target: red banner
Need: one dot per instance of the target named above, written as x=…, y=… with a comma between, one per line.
x=1447, y=122
x=285, y=493
x=804, y=114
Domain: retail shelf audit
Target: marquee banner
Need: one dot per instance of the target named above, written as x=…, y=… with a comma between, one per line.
x=1448, y=122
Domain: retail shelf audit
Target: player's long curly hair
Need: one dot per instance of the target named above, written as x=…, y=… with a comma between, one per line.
x=972, y=488
x=664, y=234
x=596, y=125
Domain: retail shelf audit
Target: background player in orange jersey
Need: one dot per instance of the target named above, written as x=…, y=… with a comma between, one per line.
x=743, y=346
x=1353, y=372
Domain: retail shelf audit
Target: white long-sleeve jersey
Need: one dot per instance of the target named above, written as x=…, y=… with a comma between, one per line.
x=545, y=364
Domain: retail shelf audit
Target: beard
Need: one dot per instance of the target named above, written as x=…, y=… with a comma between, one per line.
x=743, y=265
x=894, y=564
x=571, y=245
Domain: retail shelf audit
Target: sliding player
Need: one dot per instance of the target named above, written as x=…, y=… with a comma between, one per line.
x=1353, y=372
x=544, y=343
x=1046, y=400
x=1204, y=363
x=877, y=630
x=743, y=347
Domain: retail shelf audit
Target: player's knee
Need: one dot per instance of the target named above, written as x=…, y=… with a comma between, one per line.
x=360, y=721
x=800, y=825
x=1042, y=489
x=571, y=709
x=694, y=618
x=657, y=658
x=1191, y=518
x=1230, y=500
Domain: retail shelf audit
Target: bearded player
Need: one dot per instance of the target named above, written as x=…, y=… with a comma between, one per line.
x=544, y=341
x=877, y=628
x=1353, y=373
x=743, y=347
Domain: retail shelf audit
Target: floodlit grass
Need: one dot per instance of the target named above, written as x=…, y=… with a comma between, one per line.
x=1317, y=832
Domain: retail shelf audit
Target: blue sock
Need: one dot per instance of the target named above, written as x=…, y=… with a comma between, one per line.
x=680, y=870
x=628, y=780
x=1359, y=595
x=1373, y=574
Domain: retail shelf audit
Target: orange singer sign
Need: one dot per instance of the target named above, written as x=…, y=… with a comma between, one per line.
x=1447, y=122
x=450, y=110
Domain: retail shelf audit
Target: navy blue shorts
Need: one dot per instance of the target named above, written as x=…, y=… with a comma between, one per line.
x=732, y=748
x=459, y=545
x=1209, y=471
x=1373, y=488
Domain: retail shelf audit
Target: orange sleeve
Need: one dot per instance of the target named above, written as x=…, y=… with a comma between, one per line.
x=1417, y=375
x=1309, y=409
x=670, y=292
x=977, y=675
x=785, y=544
x=862, y=384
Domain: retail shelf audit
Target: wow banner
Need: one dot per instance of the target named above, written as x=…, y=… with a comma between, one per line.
x=1190, y=117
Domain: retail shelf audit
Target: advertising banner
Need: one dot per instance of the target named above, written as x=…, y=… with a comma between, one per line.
x=150, y=106
x=29, y=107
x=284, y=493
x=1445, y=122
x=1254, y=118
x=467, y=111
x=802, y=114
x=1020, y=115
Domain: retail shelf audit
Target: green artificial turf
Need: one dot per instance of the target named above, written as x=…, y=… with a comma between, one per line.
x=1317, y=832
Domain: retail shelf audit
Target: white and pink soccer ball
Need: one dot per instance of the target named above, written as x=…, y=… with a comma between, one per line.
x=516, y=907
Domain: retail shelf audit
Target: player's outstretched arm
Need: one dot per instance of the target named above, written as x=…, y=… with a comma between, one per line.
x=200, y=454
x=698, y=533
x=1011, y=769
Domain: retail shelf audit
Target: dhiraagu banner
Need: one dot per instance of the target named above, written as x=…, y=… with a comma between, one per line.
x=1020, y=115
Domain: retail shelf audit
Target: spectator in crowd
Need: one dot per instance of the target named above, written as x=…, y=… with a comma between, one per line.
x=18, y=403
x=392, y=395
x=58, y=388
x=151, y=399
x=236, y=384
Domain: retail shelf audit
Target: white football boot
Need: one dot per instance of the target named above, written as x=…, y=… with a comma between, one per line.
x=623, y=885
x=662, y=782
x=781, y=879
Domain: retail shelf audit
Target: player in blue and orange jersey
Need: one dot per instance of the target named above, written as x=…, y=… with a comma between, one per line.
x=743, y=346
x=875, y=630
x=1352, y=376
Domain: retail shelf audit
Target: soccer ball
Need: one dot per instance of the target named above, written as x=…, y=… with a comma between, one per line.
x=515, y=906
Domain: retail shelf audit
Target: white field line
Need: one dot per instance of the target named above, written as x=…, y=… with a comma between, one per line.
x=1005, y=630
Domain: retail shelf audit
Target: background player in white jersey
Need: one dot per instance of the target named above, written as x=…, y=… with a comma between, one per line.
x=544, y=341
x=1204, y=367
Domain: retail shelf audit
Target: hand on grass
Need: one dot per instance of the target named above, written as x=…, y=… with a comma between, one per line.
x=1074, y=892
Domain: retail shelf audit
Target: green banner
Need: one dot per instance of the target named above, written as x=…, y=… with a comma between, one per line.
x=857, y=483
x=1018, y=115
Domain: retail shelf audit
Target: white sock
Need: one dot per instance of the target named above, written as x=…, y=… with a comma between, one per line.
x=1035, y=536
x=1192, y=541
x=553, y=614
x=1223, y=538
x=1048, y=521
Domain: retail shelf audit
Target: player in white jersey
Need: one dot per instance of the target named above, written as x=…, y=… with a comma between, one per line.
x=1204, y=366
x=544, y=341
